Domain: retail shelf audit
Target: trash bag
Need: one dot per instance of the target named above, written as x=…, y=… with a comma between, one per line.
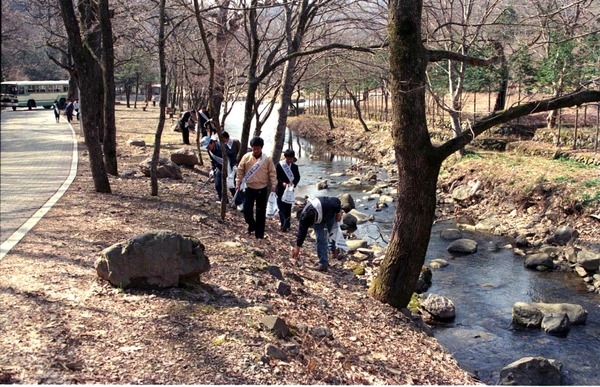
x=288, y=195
x=272, y=208
x=338, y=237
x=231, y=176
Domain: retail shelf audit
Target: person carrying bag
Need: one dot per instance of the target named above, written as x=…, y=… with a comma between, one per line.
x=288, y=177
x=256, y=178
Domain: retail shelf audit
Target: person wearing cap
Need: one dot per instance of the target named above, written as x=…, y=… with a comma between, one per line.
x=320, y=213
x=214, y=150
x=288, y=174
x=256, y=177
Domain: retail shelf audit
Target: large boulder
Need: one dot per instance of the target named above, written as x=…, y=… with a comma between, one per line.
x=185, y=156
x=589, y=260
x=156, y=259
x=563, y=236
x=577, y=314
x=531, y=314
x=532, y=371
x=463, y=246
x=439, y=307
x=165, y=169
x=535, y=261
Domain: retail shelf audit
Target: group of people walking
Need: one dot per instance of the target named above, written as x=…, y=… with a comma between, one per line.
x=71, y=108
x=256, y=177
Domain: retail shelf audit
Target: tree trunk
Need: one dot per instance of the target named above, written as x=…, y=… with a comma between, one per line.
x=108, y=76
x=91, y=117
x=417, y=167
x=284, y=103
x=328, y=105
x=356, y=104
x=163, y=99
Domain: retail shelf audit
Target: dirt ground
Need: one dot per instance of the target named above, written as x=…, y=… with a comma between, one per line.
x=61, y=324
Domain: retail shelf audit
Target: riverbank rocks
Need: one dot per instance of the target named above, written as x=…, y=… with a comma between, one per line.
x=347, y=202
x=532, y=371
x=165, y=169
x=185, y=156
x=360, y=216
x=451, y=234
x=556, y=324
x=562, y=236
x=463, y=246
x=539, y=261
x=549, y=317
x=156, y=259
x=439, y=308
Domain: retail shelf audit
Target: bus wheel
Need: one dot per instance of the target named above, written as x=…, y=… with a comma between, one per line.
x=14, y=108
x=30, y=104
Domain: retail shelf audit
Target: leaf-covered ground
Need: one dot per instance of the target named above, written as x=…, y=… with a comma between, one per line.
x=61, y=324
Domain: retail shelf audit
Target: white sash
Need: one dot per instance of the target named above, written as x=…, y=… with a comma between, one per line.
x=218, y=159
x=316, y=203
x=252, y=171
x=288, y=171
x=204, y=116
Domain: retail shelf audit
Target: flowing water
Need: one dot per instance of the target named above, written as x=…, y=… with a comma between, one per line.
x=483, y=286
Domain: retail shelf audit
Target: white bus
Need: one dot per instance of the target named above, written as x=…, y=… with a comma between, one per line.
x=32, y=94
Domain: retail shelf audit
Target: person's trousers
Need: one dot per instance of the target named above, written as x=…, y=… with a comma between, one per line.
x=322, y=231
x=185, y=134
x=258, y=197
x=285, y=214
x=219, y=186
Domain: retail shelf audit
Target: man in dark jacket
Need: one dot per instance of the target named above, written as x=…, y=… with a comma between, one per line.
x=320, y=213
x=287, y=175
x=184, y=125
x=216, y=159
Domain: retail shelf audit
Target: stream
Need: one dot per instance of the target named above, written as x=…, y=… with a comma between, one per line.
x=483, y=286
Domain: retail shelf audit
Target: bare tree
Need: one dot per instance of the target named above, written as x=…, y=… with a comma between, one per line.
x=418, y=159
x=84, y=60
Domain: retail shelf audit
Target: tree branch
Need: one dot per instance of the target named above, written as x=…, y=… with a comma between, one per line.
x=440, y=55
x=497, y=118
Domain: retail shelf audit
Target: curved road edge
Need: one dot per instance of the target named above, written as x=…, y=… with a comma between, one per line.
x=39, y=214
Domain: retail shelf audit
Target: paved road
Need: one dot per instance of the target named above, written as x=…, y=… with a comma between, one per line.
x=38, y=162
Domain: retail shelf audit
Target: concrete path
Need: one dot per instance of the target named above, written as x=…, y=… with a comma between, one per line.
x=38, y=162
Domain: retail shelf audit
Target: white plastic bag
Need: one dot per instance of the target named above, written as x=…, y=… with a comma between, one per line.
x=231, y=176
x=288, y=195
x=272, y=208
x=337, y=236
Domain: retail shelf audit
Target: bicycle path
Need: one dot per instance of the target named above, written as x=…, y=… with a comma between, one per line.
x=38, y=162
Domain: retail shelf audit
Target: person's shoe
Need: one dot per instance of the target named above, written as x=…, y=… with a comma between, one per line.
x=319, y=267
x=240, y=208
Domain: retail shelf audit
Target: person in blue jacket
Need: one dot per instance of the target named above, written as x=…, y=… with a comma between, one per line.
x=320, y=213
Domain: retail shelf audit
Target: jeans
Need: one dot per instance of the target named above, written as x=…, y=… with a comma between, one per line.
x=322, y=231
x=260, y=197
